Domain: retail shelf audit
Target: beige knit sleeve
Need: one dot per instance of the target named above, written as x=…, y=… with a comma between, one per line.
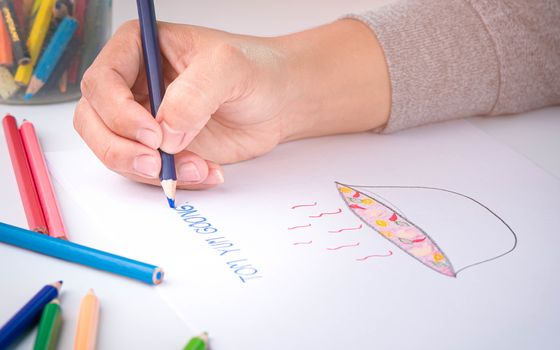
x=455, y=58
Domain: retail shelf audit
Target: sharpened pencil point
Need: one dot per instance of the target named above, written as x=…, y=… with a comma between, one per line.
x=171, y=202
x=27, y=97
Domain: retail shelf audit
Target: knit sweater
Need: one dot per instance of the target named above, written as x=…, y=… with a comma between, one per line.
x=455, y=58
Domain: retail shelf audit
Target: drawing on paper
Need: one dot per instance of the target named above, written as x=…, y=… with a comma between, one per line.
x=401, y=231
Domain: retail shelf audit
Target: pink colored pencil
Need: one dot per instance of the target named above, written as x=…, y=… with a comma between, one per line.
x=40, y=173
x=27, y=190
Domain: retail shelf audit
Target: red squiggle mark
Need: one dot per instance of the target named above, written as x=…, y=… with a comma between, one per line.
x=293, y=228
x=327, y=213
x=355, y=206
x=419, y=240
x=344, y=246
x=347, y=229
x=304, y=205
x=296, y=243
x=375, y=256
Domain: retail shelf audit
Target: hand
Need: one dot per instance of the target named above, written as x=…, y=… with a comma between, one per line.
x=229, y=97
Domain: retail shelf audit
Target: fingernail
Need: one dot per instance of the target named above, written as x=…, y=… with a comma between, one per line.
x=215, y=177
x=188, y=172
x=146, y=165
x=147, y=137
x=172, y=139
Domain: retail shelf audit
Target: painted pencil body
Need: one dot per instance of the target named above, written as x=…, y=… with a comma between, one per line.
x=156, y=88
x=28, y=314
x=199, y=342
x=49, y=327
x=42, y=180
x=36, y=40
x=6, y=57
x=22, y=171
x=19, y=49
x=80, y=254
x=86, y=332
x=52, y=55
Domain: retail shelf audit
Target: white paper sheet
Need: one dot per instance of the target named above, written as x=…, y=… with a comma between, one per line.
x=238, y=265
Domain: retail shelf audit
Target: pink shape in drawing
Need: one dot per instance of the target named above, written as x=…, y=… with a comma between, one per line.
x=301, y=226
x=375, y=256
x=398, y=230
x=304, y=205
x=344, y=246
x=347, y=229
x=327, y=213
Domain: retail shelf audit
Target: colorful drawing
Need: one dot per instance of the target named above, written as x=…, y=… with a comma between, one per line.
x=401, y=231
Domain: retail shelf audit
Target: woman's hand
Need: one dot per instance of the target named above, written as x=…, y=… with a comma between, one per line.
x=229, y=97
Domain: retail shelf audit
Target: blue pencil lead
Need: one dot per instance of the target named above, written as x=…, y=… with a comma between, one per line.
x=171, y=202
x=27, y=97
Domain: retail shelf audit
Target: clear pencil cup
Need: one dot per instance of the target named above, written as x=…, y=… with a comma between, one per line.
x=47, y=45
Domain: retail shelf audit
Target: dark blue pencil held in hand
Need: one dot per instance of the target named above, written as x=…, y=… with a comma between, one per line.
x=28, y=315
x=154, y=75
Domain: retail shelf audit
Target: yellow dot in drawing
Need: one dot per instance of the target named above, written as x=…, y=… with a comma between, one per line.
x=345, y=190
x=367, y=201
x=438, y=257
x=387, y=234
x=381, y=223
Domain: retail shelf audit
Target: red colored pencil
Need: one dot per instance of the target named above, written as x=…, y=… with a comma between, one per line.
x=43, y=184
x=27, y=190
x=6, y=57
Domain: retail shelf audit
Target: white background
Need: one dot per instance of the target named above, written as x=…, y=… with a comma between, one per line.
x=133, y=315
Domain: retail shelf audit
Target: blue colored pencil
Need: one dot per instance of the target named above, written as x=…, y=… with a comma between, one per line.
x=80, y=254
x=29, y=314
x=51, y=56
x=156, y=88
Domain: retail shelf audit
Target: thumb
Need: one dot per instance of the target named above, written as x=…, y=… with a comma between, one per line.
x=196, y=94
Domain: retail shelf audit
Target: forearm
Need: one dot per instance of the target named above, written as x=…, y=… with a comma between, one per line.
x=338, y=81
x=456, y=58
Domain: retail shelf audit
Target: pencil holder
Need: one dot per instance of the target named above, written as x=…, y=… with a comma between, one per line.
x=47, y=45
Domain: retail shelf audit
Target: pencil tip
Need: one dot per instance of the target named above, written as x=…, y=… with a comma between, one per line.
x=27, y=96
x=204, y=337
x=90, y=291
x=171, y=202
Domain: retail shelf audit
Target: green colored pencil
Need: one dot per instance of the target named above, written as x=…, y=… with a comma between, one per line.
x=49, y=327
x=197, y=343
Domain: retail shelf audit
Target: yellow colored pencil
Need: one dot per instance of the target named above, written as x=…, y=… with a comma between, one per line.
x=88, y=319
x=35, y=41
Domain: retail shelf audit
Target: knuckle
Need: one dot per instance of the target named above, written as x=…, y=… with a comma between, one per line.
x=78, y=120
x=109, y=156
x=226, y=53
x=130, y=26
x=87, y=85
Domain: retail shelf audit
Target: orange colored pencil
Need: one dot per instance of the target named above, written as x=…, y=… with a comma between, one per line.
x=6, y=56
x=27, y=190
x=42, y=180
x=88, y=320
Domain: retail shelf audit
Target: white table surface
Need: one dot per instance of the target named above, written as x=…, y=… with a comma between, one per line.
x=133, y=314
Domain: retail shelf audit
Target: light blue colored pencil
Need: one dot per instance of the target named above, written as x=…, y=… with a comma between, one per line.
x=80, y=254
x=51, y=56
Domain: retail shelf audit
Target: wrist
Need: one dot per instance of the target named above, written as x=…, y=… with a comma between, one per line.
x=337, y=81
